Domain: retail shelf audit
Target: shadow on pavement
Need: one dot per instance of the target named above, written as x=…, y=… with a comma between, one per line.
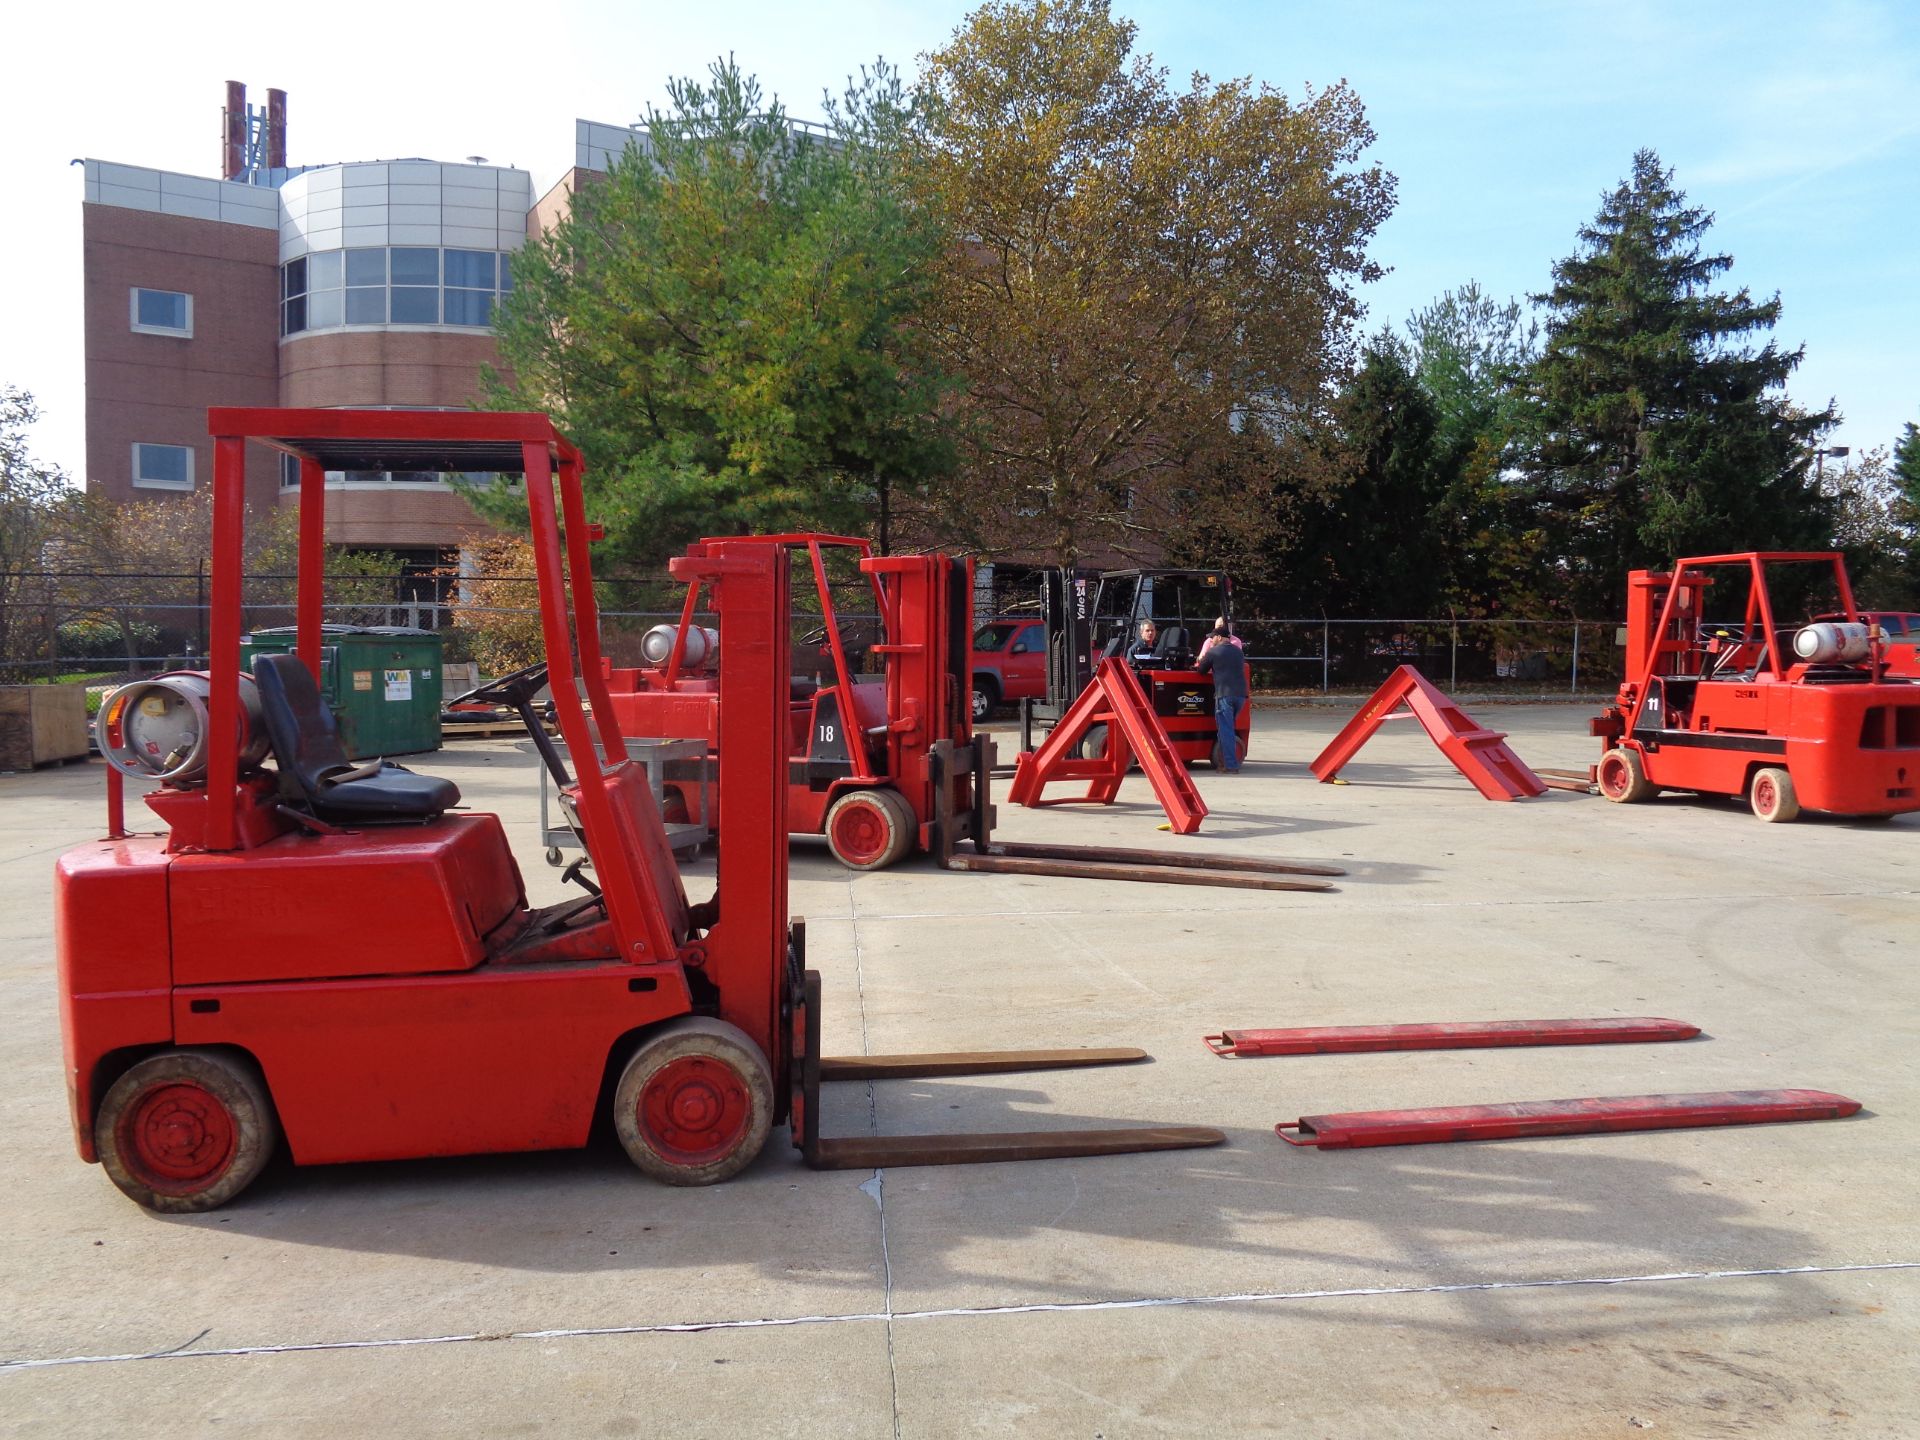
x=1404, y=1217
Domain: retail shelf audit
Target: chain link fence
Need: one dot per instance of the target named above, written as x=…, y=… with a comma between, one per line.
x=107, y=628
x=1525, y=657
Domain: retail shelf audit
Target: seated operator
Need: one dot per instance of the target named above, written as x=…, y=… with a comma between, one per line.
x=1142, y=656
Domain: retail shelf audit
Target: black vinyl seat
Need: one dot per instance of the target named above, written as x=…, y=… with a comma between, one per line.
x=314, y=767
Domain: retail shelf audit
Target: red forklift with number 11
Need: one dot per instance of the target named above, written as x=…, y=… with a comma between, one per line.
x=1722, y=699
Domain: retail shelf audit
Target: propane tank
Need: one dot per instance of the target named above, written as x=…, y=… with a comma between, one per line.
x=1832, y=643
x=703, y=645
x=162, y=724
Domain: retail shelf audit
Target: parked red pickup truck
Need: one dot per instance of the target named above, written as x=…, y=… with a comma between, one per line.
x=1009, y=664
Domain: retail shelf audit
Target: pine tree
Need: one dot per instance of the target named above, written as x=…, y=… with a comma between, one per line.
x=1466, y=348
x=1906, y=465
x=1652, y=427
x=1381, y=550
x=1905, y=506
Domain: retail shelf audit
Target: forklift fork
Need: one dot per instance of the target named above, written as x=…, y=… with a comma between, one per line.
x=808, y=1070
x=1082, y=862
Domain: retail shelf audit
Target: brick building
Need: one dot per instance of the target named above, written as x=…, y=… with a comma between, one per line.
x=356, y=284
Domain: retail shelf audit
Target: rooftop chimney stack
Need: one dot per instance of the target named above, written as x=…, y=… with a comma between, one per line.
x=276, y=129
x=233, y=150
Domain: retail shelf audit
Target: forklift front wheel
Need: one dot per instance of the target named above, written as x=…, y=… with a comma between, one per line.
x=695, y=1103
x=186, y=1130
x=1623, y=777
x=1093, y=745
x=870, y=829
x=1772, y=795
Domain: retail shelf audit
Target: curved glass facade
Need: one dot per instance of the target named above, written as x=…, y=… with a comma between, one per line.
x=384, y=286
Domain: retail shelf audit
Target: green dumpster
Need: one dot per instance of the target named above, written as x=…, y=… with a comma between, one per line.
x=383, y=682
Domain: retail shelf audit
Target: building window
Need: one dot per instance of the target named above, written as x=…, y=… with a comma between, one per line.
x=162, y=467
x=293, y=296
x=401, y=285
x=290, y=476
x=161, y=312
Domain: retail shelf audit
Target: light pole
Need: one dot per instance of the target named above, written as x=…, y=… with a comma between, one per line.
x=1838, y=452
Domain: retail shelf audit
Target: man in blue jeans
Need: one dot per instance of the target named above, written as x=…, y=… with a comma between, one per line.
x=1226, y=662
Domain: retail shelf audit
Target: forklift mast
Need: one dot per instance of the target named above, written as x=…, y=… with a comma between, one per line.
x=926, y=610
x=1066, y=609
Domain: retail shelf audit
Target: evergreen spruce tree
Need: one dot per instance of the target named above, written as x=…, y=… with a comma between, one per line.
x=1652, y=427
x=1380, y=549
x=1906, y=464
x=1906, y=506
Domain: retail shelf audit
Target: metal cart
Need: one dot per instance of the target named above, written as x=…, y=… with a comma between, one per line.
x=689, y=761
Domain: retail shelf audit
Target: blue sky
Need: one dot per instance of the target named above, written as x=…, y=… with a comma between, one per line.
x=1798, y=125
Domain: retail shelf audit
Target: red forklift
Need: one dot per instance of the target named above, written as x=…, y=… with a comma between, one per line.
x=1093, y=615
x=861, y=722
x=335, y=958
x=1721, y=698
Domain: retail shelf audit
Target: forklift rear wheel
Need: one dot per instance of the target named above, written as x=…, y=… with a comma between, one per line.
x=870, y=829
x=695, y=1103
x=1772, y=795
x=186, y=1130
x=1623, y=777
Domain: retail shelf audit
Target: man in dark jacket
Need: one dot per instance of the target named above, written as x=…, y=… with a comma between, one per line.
x=1227, y=664
x=1143, y=655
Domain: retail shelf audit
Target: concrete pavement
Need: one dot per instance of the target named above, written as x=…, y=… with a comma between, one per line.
x=1691, y=1283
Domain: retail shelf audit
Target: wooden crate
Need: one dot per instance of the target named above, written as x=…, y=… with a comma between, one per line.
x=40, y=724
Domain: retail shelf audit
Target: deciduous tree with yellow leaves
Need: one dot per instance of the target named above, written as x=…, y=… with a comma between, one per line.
x=1153, y=290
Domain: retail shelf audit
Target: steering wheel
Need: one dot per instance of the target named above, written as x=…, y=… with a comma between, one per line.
x=509, y=690
x=516, y=692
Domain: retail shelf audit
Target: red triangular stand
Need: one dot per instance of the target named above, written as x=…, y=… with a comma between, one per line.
x=1116, y=700
x=1480, y=755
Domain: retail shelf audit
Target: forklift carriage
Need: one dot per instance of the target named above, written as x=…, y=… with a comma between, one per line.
x=1791, y=718
x=333, y=955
